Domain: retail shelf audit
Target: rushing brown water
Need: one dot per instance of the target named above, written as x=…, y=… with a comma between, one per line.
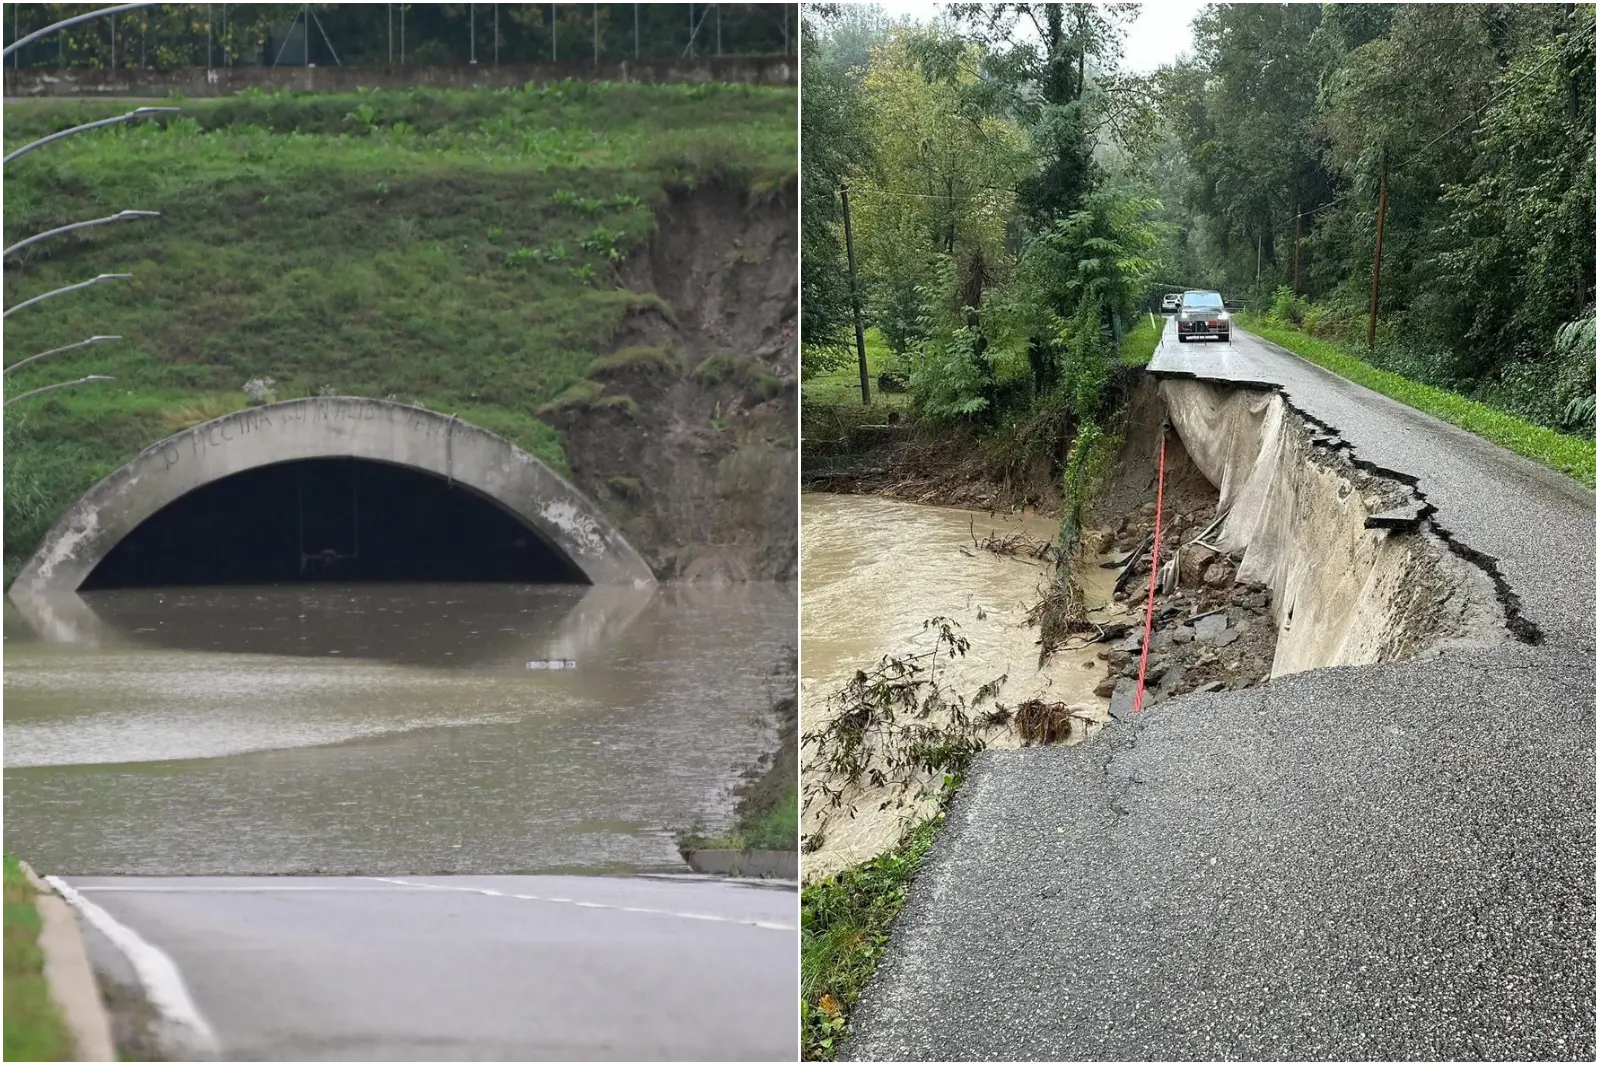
x=873, y=571
x=383, y=729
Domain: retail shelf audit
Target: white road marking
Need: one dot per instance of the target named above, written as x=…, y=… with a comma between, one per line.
x=236, y=888
x=758, y=923
x=186, y=1027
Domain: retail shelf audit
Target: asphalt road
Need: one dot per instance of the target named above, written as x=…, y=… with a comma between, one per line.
x=1384, y=862
x=459, y=968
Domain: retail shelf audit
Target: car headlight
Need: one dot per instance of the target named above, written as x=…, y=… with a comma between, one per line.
x=1223, y=316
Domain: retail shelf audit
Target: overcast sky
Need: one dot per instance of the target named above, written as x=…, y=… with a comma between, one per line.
x=1159, y=35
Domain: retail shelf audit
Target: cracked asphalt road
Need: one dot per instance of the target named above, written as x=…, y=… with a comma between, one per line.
x=1380, y=862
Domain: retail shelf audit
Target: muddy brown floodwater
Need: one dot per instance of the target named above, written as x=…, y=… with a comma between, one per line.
x=385, y=729
x=874, y=570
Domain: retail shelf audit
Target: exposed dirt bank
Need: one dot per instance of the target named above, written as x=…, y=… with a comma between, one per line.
x=876, y=452
x=685, y=431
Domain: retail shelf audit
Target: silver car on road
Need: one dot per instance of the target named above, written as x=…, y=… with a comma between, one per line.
x=1202, y=314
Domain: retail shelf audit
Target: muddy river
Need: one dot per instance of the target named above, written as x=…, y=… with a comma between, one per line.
x=386, y=729
x=873, y=571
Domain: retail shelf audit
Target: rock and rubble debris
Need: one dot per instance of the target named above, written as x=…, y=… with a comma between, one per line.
x=1212, y=632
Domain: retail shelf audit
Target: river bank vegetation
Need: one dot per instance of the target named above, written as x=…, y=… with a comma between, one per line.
x=34, y=1029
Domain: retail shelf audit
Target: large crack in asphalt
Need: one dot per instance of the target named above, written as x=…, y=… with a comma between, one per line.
x=1331, y=440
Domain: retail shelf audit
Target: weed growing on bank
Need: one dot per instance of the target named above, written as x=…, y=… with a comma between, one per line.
x=455, y=249
x=34, y=1029
x=897, y=728
x=845, y=921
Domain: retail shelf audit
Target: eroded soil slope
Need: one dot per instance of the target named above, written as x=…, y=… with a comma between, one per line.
x=685, y=432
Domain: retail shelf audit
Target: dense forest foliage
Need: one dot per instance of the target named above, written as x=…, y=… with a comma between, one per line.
x=1483, y=115
x=1017, y=197
x=178, y=35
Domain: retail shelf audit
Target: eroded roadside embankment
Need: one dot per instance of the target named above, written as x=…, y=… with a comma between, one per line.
x=1354, y=568
x=1283, y=552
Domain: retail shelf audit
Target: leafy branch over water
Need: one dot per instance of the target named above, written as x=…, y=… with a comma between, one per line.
x=897, y=727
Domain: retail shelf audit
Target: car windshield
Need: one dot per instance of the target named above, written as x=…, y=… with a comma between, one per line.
x=1203, y=301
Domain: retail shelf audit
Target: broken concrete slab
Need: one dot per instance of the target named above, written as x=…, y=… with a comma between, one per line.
x=1407, y=517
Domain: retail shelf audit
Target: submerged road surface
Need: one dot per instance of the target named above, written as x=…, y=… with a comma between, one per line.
x=454, y=968
x=1380, y=862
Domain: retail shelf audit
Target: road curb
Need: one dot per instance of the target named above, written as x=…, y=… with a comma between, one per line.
x=70, y=976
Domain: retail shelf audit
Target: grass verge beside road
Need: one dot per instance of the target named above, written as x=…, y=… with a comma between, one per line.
x=1572, y=456
x=844, y=926
x=1139, y=344
x=34, y=1031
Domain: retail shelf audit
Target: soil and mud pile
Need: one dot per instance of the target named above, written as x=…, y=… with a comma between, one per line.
x=686, y=435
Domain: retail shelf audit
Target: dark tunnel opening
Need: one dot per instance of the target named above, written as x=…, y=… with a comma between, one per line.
x=331, y=520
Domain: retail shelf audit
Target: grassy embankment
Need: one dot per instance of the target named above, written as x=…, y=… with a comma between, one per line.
x=842, y=387
x=452, y=249
x=1139, y=343
x=34, y=1029
x=844, y=926
x=1574, y=456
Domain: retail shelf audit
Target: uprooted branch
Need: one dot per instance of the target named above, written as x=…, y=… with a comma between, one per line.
x=1013, y=544
x=897, y=727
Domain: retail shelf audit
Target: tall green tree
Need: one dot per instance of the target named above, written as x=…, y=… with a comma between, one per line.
x=835, y=145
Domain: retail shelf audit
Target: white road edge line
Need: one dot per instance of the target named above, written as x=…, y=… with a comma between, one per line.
x=162, y=982
x=236, y=888
x=756, y=922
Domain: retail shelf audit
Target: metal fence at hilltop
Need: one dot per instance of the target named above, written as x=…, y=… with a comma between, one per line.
x=172, y=36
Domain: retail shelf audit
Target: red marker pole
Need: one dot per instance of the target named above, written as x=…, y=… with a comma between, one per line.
x=1155, y=568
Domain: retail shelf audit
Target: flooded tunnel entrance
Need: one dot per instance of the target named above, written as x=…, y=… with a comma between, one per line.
x=339, y=489
x=333, y=519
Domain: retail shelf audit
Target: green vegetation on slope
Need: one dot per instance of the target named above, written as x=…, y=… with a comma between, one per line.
x=1570, y=455
x=34, y=1030
x=844, y=927
x=1139, y=344
x=768, y=813
x=458, y=250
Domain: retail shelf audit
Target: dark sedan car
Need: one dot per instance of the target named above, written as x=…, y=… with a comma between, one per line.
x=1203, y=315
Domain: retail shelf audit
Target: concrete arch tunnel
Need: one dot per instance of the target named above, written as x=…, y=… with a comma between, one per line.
x=331, y=488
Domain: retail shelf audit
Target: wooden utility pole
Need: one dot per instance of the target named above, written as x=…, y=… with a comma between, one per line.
x=1297, y=249
x=855, y=295
x=1377, y=255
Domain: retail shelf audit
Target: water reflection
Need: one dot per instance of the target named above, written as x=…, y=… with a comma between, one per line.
x=381, y=728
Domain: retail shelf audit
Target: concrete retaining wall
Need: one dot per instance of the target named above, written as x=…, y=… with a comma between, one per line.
x=223, y=81
x=331, y=427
